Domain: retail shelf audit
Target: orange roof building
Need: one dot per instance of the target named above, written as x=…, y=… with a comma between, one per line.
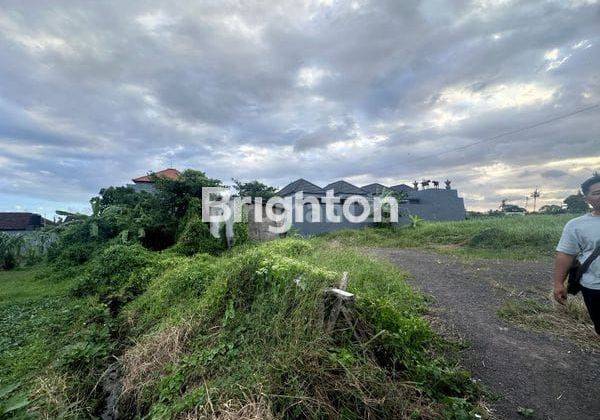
x=168, y=173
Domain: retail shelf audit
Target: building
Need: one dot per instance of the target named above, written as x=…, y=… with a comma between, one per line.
x=20, y=223
x=145, y=183
x=433, y=204
x=310, y=225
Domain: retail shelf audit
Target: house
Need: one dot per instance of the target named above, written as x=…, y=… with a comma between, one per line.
x=20, y=223
x=430, y=203
x=341, y=189
x=402, y=189
x=145, y=183
x=376, y=189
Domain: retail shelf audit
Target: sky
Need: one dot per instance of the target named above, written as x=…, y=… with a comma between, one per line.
x=93, y=94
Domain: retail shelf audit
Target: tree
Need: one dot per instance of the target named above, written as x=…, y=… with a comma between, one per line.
x=253, y=189
x=512, y=208
x=576, y=203
x=121, y=196
x=551, y=209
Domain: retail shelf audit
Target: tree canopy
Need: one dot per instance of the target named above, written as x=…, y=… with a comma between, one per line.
x=576, y=203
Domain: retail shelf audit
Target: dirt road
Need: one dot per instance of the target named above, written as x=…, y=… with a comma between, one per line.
x=540, y=371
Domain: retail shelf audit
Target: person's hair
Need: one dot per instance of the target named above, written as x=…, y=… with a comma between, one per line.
x=587, y=184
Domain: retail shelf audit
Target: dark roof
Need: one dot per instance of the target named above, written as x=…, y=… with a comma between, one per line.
x=300, y=185
x=169, y=173
x=402, y=188
x=375, y=189
x=20, y=221
x=343, y=187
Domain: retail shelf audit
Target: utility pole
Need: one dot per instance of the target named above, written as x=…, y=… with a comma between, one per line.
x=526, y=203
x=535, y=196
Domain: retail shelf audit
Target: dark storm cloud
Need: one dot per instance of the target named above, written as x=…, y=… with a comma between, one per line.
x=93, y=94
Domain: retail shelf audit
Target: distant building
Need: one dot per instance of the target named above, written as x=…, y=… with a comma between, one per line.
x=145, y=183
x=310, y=225
x=433, y=204
x=376, y=189
x=20, y=223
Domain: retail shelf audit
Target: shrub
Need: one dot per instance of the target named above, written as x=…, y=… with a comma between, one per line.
x=10, y=250
x=196, y=237
x=110, y=271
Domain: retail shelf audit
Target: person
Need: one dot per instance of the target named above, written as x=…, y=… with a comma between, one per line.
x=580, y=237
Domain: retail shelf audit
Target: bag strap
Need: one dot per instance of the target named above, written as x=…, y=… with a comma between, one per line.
x=589, y=260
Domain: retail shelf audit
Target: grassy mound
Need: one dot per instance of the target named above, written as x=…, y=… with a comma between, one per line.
x=241, y=335
x=244, y=333
x=505, y=237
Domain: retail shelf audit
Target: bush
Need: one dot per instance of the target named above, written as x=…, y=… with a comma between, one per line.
x=9, y=261
x=196, y=237
x=10, y=250
x=110, y=271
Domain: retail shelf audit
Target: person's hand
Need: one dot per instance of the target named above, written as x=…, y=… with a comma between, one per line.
x=560, y=294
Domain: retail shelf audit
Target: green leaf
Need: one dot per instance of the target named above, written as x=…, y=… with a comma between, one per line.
x=14, y=404
x=4, y=391
x=525, y=412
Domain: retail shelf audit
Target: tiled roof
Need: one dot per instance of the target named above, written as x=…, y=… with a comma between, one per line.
x=375, y=189
x=343, y=187
x=402, y=188
x=167, y=173
x=19, y=221
x=300, y=185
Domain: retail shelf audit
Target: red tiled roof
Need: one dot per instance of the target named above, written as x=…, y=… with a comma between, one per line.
x=167, y=173
x=20, y=221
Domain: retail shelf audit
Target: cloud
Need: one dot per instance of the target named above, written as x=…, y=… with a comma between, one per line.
x=95, y=94
x=553, y=173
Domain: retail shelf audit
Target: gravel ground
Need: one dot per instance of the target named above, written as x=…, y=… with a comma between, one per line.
x=540, y=371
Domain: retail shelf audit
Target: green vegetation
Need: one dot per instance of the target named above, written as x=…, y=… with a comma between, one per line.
x=543, y=314
x=196, y=330
x=10, y=250
x=224, y=335
x=513, y=237
x=39, y=325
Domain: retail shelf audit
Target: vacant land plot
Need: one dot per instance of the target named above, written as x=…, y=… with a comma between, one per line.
x=516, y=237
x=230, y=335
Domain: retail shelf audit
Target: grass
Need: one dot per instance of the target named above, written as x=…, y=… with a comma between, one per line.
x=38, y=320
x=519, y=238
x=571, y=320
x=237, y=335
x=238, y=329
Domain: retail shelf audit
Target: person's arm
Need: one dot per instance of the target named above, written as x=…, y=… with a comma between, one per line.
x=562, y=263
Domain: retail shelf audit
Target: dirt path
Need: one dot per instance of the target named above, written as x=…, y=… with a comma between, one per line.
x=534, y=370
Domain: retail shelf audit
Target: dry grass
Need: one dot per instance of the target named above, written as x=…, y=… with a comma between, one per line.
x=252, y=407
x=570, y=320
x=147, y=360
x=52, y=398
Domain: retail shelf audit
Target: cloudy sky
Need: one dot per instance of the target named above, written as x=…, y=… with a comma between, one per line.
x=95, y=93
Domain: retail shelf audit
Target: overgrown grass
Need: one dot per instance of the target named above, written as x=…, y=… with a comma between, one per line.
x=516, y=237
x=237, y=334
x=247, y=326
x=571, y=320
x=38, y=323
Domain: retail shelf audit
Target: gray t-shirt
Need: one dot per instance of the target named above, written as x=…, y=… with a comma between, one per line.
x=580, y=237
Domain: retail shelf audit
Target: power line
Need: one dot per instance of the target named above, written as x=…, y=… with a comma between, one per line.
x=508, y=133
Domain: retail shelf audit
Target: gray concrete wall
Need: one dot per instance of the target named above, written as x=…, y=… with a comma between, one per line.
x=434, y=204
x=259, y=231
x=315, y=228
